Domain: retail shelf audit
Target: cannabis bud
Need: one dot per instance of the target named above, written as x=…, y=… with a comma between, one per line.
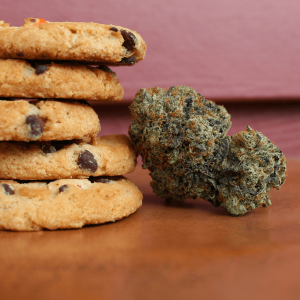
x=182, y=139
x=253, y=166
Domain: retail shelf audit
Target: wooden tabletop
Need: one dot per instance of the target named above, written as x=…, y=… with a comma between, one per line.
x=186, y=251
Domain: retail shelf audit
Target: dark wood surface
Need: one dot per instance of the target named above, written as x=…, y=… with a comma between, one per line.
x=188, y=251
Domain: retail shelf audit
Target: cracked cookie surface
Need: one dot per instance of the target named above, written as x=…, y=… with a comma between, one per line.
x=76, y=41
x=46, y=120
x=46, y=79
x=108, y=155
x=69, y=203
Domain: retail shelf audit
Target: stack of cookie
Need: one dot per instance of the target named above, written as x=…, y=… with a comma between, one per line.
x=51, y=159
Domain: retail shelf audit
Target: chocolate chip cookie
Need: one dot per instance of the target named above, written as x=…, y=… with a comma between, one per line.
x=68, y=203
x=46, y=79
x=108, y=155
x=21, y=120
x=83, y=42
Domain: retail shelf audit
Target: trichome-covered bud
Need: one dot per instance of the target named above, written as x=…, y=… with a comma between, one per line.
x=253, y=166
x=182, y=139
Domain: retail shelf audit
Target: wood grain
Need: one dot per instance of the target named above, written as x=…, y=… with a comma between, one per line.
x=188, y=251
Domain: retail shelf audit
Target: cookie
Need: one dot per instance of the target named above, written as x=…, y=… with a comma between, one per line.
x=4, y=25
x=68, y=203
x=21, y=120
x=44, y=79
x=82, y=42
x=109, y=155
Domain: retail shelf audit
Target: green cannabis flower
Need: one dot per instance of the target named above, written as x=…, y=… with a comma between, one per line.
x=253, y=166
x=182, y=139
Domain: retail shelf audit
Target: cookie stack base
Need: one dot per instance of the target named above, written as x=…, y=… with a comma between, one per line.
x=67, y=203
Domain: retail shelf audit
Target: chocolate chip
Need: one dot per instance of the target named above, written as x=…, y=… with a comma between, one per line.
x=7, y=189
x=87, y=161
x=20, y=54
x=99, y=179
x=114, y=29
x=36, y=125
x=128, y=60
x=48, y=148
x=105, y=68
x=103, y=180
x=129, y=40
x=40, y=69
x=108, y=70
x=32, y=20
x=63, y=188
